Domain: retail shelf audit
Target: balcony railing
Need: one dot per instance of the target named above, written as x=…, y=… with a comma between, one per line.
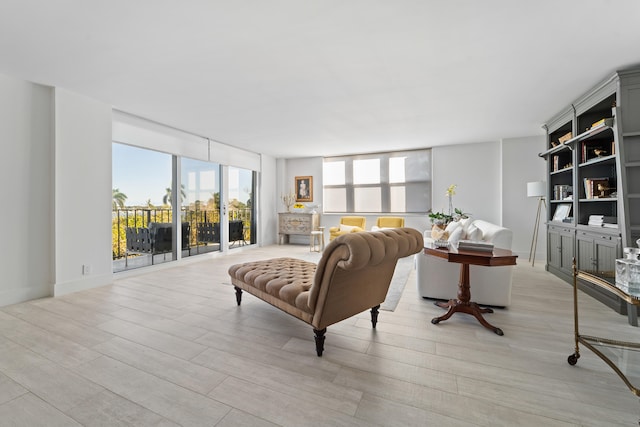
x=122, y=218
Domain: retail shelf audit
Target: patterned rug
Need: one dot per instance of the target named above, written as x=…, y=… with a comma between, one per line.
x=398, y=282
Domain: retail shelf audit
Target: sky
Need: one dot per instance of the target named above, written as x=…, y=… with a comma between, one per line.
x=144, y=175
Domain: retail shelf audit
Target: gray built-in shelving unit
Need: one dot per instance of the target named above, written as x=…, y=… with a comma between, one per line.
x=593, y=171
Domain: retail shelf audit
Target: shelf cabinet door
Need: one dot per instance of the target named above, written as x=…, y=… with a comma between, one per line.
x=586, y=258
x=597, y=253
x=560, y=248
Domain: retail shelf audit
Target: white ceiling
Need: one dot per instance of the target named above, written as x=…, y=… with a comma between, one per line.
x=301, y=78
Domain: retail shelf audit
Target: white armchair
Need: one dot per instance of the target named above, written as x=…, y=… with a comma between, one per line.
x=438, y=279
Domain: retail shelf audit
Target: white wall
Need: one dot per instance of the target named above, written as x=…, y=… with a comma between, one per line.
x=82, y=192
x=521, y=164
x=492, y=185
x=475, y=169
x=309, y=166
x=267, y=201
x=26, y=123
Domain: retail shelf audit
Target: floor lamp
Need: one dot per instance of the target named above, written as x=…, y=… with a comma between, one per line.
x=536, y=189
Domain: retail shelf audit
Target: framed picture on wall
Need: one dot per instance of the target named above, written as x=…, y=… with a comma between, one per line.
x=304, y=189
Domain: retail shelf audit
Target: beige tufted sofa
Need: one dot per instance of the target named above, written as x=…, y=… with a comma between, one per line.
x=352, y=276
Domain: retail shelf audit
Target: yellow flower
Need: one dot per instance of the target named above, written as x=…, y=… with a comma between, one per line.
x=451, y=190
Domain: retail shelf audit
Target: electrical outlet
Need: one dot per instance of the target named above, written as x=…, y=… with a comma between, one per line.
x=86, y=269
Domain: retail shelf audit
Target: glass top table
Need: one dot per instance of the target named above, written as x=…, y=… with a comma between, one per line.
x=622, y=356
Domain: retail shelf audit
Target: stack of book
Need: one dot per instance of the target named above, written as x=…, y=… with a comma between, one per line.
x=603, y=221
x=562, y=192
x=473, y=245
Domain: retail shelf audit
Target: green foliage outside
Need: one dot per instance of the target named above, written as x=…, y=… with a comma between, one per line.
x=196, y=213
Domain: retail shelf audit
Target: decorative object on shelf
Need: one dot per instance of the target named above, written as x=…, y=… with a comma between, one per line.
x=602, y=189
x=288, y=200
x=564, y=138
x=562, y=211
x=536, y=189
x=304, y=189
x=598, y=123
x=299, y=207
x=596, y=188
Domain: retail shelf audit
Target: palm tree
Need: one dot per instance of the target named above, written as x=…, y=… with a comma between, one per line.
x=167, y=197
x=118, y=198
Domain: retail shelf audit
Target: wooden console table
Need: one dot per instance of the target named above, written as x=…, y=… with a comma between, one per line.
x=300, y=223
x=463, y=303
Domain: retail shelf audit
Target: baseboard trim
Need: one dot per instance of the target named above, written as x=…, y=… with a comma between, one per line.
x=65, y=288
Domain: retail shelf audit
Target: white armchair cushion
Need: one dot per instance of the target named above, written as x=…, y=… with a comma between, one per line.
x=456, y=236
x=500, y=237
x=474, y=233
x=347, y=228
x=465, y=223
x=452, y=226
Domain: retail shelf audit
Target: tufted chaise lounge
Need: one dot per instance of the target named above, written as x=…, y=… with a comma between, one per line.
x=352, y=276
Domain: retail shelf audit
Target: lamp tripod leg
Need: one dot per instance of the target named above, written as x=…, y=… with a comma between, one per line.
x=534, y=238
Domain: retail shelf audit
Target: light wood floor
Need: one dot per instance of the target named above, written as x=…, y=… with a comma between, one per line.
x=170, y=347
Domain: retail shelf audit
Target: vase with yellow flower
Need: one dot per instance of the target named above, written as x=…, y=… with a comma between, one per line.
x=440, y=220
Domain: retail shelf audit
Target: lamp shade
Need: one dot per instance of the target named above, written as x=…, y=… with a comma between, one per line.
x=536, y=189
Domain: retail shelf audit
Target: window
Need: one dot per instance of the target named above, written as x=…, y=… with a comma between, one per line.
x=396, y=182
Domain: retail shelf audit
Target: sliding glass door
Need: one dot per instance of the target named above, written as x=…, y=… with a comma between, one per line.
x=200, y=209
x=241, y=207
x=153, y=223
x=141, y=207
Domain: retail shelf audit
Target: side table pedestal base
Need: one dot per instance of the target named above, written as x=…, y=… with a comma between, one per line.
x=472, y=308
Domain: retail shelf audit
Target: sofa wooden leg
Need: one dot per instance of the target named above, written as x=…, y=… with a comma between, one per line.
x=374, y=315
x=238, y=295
x=319, y=335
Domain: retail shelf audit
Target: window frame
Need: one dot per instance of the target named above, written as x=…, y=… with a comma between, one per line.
x=385, y=185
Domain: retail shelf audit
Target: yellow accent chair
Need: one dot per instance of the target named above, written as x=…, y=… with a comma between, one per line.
x=348, y=224
x=388, y=222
